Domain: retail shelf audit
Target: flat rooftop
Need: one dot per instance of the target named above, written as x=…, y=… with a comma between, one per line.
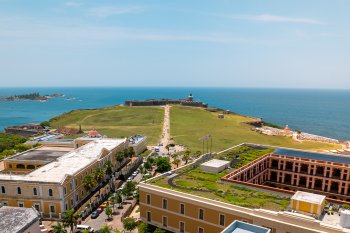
x=68, y=164
x=243, y=227
x=217, y=163
x=16, y=219
x=44, y=154
x=209, y=185
x=313, y=155
x=309, y=197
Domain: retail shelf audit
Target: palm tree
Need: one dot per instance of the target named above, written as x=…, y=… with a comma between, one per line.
x=176, y=162
x=58, y=228
x=89, y=183
x=186, y=156
x=70, y=219
x=98, y=176
x=108, y=168
x=167, y=147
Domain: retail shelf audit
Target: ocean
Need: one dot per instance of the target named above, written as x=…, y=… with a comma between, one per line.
x=321, y=112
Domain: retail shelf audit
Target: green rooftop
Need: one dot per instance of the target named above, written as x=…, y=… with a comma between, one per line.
x=194, y=181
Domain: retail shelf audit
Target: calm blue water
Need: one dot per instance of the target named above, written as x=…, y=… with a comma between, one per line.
x=322, y=112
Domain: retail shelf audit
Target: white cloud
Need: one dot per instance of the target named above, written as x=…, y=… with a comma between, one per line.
x=272, y=18
x=106, y=11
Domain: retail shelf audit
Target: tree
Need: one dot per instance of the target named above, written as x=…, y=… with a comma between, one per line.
x=129, y=188
x=105, y=229
x=45, y=124
x=85, y=231
x=175, y=156
x=89, y=183
x=159, y=230
x=108, y=211
x=163, y=164
x=176, y=162
x=151, y=160
x=119, y=156
x=143, y=227
x=130, y=151
x=129, y=224
x=117, y=231
x=147, y=165
x=197, y=154
x=119, y=199
x=58, y=228
x=108, y=168
x=70, y=219
x=98, y=175
x=186, y=156
x=167, y=147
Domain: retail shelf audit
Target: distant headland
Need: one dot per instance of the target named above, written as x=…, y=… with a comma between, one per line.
x=30, y=96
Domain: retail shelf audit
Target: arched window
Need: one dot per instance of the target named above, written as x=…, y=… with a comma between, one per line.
x=50, y=193
x=19, y=191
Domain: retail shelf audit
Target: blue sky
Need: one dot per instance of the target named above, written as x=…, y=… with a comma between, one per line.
x=255, y=43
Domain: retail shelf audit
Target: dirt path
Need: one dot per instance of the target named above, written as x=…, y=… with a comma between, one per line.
x=165, y=139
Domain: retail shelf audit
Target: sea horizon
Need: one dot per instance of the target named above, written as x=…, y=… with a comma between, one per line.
x=318, y=111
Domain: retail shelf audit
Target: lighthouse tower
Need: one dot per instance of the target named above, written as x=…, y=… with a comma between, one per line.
x=190, y=97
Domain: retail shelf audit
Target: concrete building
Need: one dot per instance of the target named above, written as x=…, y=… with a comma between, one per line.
x=19, y=220
x=288, y=171
x=165, y=203
x=51, y=181
x=215, y=166
x=308, y=202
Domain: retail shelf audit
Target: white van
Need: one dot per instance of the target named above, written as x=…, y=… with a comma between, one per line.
x=80, y=228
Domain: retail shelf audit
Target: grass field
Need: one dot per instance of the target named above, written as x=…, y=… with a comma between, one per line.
x=188, y=125
x=118, y=121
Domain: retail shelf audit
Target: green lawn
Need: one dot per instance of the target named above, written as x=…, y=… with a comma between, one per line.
x=118, y=121
x=189, y=124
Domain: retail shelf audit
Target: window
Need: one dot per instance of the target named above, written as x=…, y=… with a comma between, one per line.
x=165, y=221
x=4, y=203
x=19, y=191
x=66, y=206
x=165, y=204
x=222, y=220
x=52, y=209
x=77, y=198
x=76, y=182
x=37, y=207
x=182, y=227
x=200, y=230
x=182, y=208
x=149, y=216
x=71, y=202
x=82, y=193
x=64, y=190
x=3, y=190
x=71, y=186
x=148, y=199
x=20, y=204
x=201, y=214
x=50, y=193
x=35, y=192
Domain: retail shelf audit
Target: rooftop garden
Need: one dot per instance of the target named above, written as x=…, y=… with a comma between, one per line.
x=209, y=185
x=243, y=155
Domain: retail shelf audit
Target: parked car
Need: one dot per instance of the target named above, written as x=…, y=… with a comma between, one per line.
x=99, y=210
x=94, y=214
x=80, y=228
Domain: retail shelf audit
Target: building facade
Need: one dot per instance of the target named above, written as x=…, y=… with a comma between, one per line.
x=58, y=185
